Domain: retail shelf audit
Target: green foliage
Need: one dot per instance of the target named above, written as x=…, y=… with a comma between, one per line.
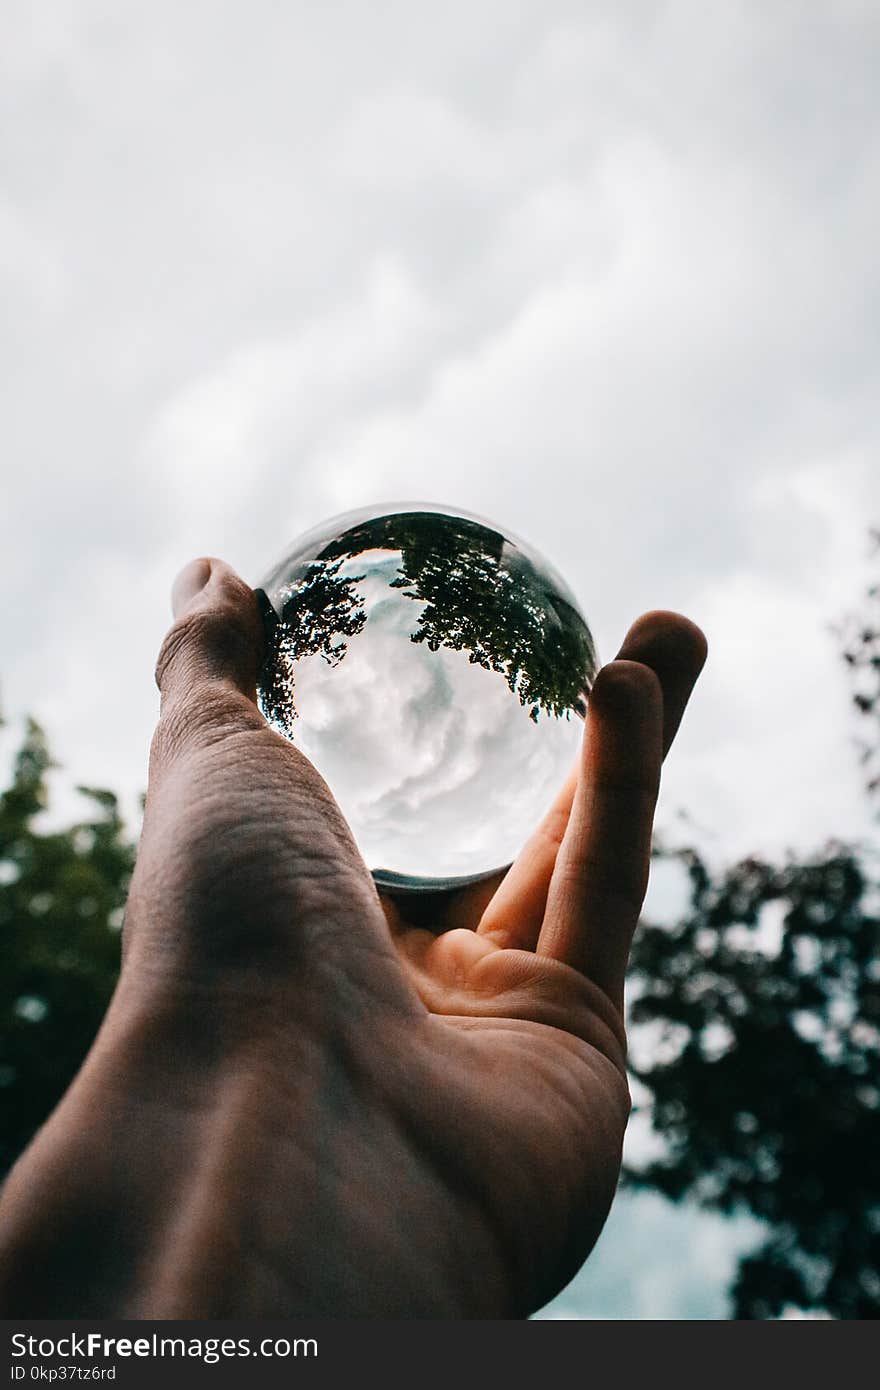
x=325, y=611
x=477, y=595
x=764, y=1003
x=61, y=900
x=497, y=608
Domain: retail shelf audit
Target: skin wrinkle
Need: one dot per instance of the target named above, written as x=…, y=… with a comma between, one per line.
x=314, y=877
x=221, y=720
x=526, y=1034
x=208, y=813
x=216, y=763
x=566, y=986
x=258, y=974
x=216, y=638
x=488, y=993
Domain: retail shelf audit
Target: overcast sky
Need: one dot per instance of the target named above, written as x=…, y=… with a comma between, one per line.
x=605, y=273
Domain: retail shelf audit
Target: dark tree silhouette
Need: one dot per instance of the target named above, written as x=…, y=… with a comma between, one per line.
x=499, y=608
x=61, y=901
x=859, y=636
x=767, y=990
x=769, y=986
x=479, y=595
x=323, y=610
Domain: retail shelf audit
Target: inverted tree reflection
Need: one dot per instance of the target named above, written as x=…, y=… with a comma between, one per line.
x=477, y=593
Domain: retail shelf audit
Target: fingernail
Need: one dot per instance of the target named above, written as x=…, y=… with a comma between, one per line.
x=190, y=582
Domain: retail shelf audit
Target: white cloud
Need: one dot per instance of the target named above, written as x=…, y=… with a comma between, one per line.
x=607, y=275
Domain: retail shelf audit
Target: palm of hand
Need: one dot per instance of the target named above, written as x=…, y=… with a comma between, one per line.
x=528, y=1058
x=513, y=1096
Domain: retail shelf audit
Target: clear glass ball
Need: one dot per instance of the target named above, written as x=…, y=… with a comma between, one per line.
x=436, y=673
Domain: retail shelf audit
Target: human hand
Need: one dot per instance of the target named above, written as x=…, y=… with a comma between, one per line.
x=304, y=1102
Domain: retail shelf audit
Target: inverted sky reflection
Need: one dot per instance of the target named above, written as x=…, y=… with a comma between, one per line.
x=431, y=684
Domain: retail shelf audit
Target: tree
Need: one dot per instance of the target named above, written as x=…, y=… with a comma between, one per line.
x=767, y=993
x=324, y=609
x=62, y=895
x=481, y=597
x=765, y=996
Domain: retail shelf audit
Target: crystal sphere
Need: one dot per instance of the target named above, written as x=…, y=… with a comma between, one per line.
x=435, y=671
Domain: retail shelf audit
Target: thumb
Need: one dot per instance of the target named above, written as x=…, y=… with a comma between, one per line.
x=215, y=645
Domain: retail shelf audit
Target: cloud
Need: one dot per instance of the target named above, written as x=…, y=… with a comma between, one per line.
x=622, y=1280
x=437, y=765
x=605, y=274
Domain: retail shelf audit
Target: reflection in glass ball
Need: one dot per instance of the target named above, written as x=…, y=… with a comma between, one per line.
x=436, y=673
